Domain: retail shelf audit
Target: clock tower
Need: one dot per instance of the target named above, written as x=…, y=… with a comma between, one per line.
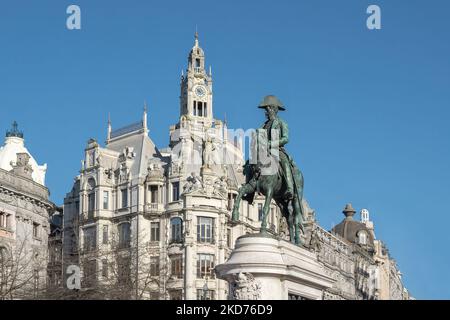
x=196, y=88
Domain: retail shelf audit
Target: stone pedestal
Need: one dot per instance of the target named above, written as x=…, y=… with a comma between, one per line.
x=265, y=268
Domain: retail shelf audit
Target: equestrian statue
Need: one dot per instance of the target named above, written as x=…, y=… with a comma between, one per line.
x=272, y=172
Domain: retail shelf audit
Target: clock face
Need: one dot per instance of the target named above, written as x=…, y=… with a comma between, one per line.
x=200, y=91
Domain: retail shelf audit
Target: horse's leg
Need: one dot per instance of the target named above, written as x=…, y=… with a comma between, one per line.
x=291, y=224
x=242, y=191
x=266, y=210
x=298, y=218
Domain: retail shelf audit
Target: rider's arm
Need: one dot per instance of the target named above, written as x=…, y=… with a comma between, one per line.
x=283, y=135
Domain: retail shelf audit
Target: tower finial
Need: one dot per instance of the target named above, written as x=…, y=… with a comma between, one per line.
x=144, y=117
x=108, y=134
x=349, y=211
x=14, y=132
x=196, y=36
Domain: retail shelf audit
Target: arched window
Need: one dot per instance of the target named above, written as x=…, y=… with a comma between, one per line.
x=176, y=225
x=362, y=236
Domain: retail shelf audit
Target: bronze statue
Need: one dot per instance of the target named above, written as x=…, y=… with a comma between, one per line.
x=285, y=184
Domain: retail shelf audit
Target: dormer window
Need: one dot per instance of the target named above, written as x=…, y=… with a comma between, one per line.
x=362, y=238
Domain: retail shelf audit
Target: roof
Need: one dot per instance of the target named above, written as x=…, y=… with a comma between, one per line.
x=15, y=144
x=143, y=147
x=350, y=229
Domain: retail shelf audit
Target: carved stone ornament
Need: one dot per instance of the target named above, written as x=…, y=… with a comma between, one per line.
x=193, y=183
x=245, y=287
x=7, y=198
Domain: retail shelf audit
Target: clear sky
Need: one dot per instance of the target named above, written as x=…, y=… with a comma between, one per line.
x=368, y=111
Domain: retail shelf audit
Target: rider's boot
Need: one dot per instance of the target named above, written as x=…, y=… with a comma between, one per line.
x=289, y=194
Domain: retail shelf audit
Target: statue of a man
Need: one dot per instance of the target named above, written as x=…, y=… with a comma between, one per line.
x=208, y=149
x=275, y=124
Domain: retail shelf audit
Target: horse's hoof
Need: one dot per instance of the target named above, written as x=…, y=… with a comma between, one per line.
x=288, y=195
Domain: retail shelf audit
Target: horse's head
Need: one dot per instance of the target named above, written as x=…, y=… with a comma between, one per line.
x=250, y=170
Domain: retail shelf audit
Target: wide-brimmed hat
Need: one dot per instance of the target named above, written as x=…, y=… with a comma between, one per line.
x=271, y=100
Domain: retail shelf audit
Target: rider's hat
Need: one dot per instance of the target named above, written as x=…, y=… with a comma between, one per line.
x=271, y=100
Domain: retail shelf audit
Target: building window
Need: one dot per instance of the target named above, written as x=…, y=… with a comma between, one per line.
x=91, y=204
x=2, y=220
x=89, y=273
x=124, y=235
x=154, y=194
x=5, y=221
x=105, y=235
x=89, y=240
x=105, y=200
x=3, y=256
x=154, y=266
x=124, y=270
x=205, y=294
x=200, y=109
x=177, y=229
x=154, y=295
x=205, y=113
x=230, y=201
x=104, y=268
x=91, y=197
x=205, y=229
x=362, y=238
x=154, y=231
x=292, y=296
x=177, y=266
x=175, y=191
x=124, y=196
x=197, y=63
x=35, y=230
x=229, y=238
x=260, y=211
x=205, y=265
x=176, y=295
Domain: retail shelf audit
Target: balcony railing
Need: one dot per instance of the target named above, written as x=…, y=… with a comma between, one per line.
x=154, y=207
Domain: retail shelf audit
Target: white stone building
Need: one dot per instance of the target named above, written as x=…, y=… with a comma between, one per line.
x=173, y=203
x=161, y=217
x=24, y=225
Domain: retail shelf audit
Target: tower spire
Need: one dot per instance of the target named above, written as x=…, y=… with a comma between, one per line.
x=108, y=135
x=144, y=117
x=196, y=37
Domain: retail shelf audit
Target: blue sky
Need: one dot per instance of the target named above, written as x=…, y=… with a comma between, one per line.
x=368, y=110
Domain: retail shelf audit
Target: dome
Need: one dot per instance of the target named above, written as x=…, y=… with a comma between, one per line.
x=14, y=144
x=352, y=230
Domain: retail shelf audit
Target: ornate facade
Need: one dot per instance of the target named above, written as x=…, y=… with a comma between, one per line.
x=360, y=264
x=24, y=220
x=159, y=219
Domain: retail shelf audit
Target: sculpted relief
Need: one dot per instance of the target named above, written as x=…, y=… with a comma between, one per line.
x=245, y=287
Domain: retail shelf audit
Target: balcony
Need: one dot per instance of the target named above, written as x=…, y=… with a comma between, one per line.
x=153, y=208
